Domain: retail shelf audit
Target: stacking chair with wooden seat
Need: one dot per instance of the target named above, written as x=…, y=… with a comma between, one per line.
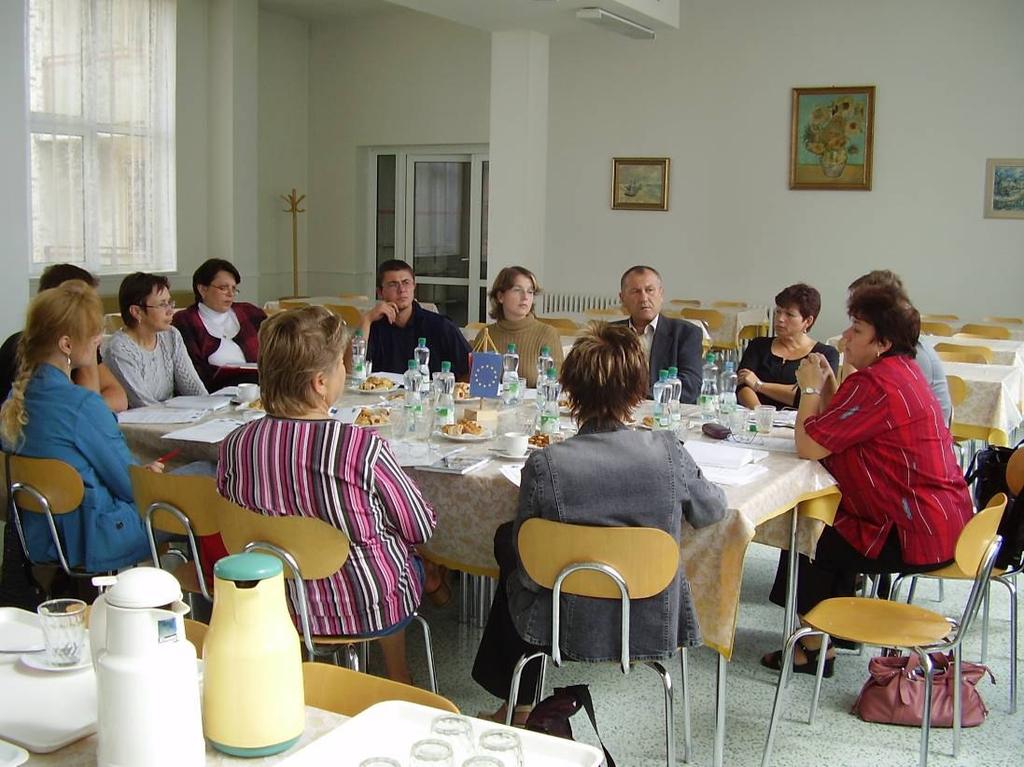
x=729, y=304
x=984, y=351
x=348, y=692
x=1005, y=320
x=43, y=486
x=977, y=330
x=972, y=357
x=296, y=303
x=310, y=549
x=936, y=328
x=607, y=315
x=893, y=624
x=180, y=505
x=563, y=325
x=940, y=317
x=620, y=563
x=692, y=302
x=350, y=315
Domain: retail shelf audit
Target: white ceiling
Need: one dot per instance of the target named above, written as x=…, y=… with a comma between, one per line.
x=321, y=10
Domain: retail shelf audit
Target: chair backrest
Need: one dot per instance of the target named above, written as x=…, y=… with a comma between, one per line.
x=969, y=357
x=195, y=632
x=354, y=296
x=976, y=551
x=560, y=323
x=54, y=480
x=347, y=692
x=984, y=351
x=712, y=318
x=750, y=332
x=685, y=302
x=730, y=304
x=1005, y=320
x=1015, y=471
x=957, y=390
x=985, y=331
x=291, y=304
x=193, y=497
x=604, y=314
x=936, y=328
x=476, y=326
x=349, y=314
x=940, y=317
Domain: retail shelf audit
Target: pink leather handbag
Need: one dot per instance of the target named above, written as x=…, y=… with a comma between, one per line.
x=894, y=692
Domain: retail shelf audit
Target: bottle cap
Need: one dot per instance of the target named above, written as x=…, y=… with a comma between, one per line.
x=552, y=374
x=359, y=332
x=545, y=351
x=446, y=366
x=414, y=365
x=511, y=349
x=673, y=371
x=422, y=342
x=662, y=375
x=710, y=358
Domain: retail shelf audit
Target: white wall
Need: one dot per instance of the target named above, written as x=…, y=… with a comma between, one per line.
x=399, y=79
x=283, y=147
x=715, y=98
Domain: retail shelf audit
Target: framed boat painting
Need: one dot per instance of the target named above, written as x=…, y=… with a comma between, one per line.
x=640, y=183
x=1004, y=189
x=831, y=134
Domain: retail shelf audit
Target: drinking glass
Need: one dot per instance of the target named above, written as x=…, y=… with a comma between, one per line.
x=63, y=624
x=738, y=424
x=482, y=761
x=380, y=761
x=457, y=732
x=431, y=753
x=504, y=746
x=763, y=417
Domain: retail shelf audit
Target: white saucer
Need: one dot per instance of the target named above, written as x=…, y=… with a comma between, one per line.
x=510, y=456
x=41, y=662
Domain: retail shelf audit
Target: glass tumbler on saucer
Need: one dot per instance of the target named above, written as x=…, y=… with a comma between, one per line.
x=63, y=625
x=763, y=417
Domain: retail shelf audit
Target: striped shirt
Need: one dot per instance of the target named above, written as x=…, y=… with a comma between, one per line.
x=892, y=456
x=349, y=477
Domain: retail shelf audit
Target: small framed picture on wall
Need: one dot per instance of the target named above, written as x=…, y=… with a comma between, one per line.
x=1004, y=188
x=640, y=183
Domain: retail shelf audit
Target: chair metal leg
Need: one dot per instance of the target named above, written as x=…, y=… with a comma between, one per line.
x=819, y=675
x=670, y=733
x=926, y=714
x=985, y=605
x=428, y=646
x=351, y=657
x=719, y=755
x=912, y=591
x=513, y=690
x=780, y=688
x=464, y=597
x=482, y=590
x=684, y=664
x=1011, y=588
x=538, y=694
x=957, y=700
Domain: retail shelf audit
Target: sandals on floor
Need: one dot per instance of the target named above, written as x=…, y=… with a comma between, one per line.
x=519, y=716
x=773, y=660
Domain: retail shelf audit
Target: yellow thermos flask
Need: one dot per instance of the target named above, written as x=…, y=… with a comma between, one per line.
x=252, y=662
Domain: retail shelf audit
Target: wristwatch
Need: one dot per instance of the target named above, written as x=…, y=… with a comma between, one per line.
x=810, y=390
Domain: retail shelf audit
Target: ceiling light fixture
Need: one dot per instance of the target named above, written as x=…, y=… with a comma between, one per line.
x=615, y=23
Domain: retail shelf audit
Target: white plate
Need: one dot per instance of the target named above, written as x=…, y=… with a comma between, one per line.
x=12, y=755
x=41, y=661
x=513, y=456
x=357, y=390
x=19, y=631
x=487, y=434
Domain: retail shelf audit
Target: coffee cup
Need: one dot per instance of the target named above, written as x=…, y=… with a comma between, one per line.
x=514, y=443
x=248, y=392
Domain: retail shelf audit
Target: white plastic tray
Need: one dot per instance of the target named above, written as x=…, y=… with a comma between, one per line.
x=390, y=728
x=12, y=755
x=40, y=710
x=19, y=631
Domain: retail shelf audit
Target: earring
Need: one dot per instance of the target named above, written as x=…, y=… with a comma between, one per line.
x=69, y=363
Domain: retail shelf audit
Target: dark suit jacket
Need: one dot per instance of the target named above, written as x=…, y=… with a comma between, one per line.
x=677, y=343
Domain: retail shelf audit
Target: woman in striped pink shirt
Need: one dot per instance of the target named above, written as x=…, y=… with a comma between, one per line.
x=298, y=461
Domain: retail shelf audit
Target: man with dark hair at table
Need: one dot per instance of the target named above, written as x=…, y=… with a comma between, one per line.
x=17, y=587
x=668, y=342
x=395, y=324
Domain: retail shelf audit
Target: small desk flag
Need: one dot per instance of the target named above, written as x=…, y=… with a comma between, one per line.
x=485, y=375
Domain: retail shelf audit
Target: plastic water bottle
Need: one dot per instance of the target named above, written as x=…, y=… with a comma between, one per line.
x=662, y=401
x=422, y=356
x=544, y=361
x=413, y=396
x=675, y=411
x=708, y=400
x=549, y=413
x=444, y=400
x=359, y=356
x=727, y=389
x=510, y=379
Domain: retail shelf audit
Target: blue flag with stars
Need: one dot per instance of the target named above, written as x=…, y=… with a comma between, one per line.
x=485, y=375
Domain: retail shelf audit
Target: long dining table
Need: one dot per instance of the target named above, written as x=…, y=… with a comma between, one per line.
x=787, y=506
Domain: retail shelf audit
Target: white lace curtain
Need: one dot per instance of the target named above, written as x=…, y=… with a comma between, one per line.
x=440, y=192
x=102, y=90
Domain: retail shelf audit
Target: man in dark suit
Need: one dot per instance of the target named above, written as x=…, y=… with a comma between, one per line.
x=668, y=342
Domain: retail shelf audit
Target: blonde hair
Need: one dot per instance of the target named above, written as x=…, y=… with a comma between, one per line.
x=71, y=309
x=506, y=280
x=294, y=346
x=605, y=373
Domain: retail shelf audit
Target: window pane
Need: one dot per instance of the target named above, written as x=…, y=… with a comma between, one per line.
x=57, y=198
x=485, y=173
x=385, y=207
x=484, y=307
x=452, y=300
x=121, y=203
x=441, y=219
x=121, y=62
x=55, y=56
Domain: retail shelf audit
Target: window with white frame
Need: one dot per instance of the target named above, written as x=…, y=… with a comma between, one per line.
x=101, y=94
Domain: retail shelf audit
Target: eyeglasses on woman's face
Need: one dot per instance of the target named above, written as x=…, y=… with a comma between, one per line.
x=164, y=305
x=227, y=288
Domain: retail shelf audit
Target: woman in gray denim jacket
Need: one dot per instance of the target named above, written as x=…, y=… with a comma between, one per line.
x=606, y=475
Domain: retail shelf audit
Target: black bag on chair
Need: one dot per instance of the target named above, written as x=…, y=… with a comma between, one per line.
x=551, y=716
x=987, y=472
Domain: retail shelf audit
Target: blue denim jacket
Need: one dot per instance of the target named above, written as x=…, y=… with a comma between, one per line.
x=615, y=478
x=74, y=425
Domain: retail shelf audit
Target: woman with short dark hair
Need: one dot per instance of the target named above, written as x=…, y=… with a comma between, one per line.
x=147, y=355
x=607, y=474
x=767, y=370
x=220, y=333
x=882, y=436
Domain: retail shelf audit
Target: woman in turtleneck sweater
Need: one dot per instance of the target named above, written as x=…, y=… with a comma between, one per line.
x=219, y=333
x=512, y=306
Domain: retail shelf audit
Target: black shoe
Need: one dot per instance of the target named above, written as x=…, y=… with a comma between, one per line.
x=773, y=660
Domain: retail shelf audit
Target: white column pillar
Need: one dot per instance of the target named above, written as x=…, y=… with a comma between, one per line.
x=14, y=152
x=233, y=146
x=518, y=150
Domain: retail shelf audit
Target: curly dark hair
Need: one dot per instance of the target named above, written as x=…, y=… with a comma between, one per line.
x=208, y=270
x=887, y=310
x=803, y=298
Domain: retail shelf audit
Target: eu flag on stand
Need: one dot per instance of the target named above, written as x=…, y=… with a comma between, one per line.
x=485, y=374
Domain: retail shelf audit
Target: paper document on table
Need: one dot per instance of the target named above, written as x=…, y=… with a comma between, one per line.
x=198, y=403
x=707, y=454
x=210, y=432
x=513, y=474
x=743, y=475
x=159, y=414
x=784, y=444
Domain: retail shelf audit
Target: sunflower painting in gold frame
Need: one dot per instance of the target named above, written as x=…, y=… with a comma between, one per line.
x=831, y=135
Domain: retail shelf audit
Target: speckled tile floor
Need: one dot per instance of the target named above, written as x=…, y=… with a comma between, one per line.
x=629, y=709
